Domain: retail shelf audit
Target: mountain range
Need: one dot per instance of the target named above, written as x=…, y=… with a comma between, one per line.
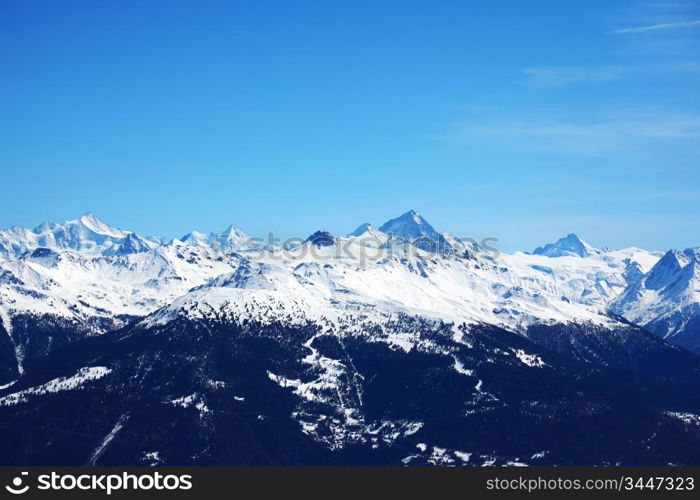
x=397, y=345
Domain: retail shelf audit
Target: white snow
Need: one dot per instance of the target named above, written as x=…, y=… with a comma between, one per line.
x=107, y=440
x=459, y=368
x=8, y=385
x=688, y=418
x=511, y=291
x=19, y=351
x=667, y=297
x=153, y=457
x=192, y=400
x=73, y=382
x=81, y=279
x=531, y=360
x=81, y=287
x=436, y=455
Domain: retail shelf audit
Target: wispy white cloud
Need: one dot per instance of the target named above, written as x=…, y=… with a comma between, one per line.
x=556, y=76
x=660, y=26
x=613, y=133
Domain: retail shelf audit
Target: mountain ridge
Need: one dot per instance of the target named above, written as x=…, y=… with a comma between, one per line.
x=361, y=349
x=105, y=282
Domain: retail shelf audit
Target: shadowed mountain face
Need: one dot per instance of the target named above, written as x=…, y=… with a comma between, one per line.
x=410, y=226
x=119, y=349
x=413, y=228
x=211, y=392
x=321, y=238
x=666, y=300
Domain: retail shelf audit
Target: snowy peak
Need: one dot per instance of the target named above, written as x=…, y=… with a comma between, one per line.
x=321, y=239
x=233, y=231
x=230, y=239
x=233, y=239
x=91, y=234
x=132, y=243
x=195, y=239
x=87, y=234
x=666, y=269
x=92, y=223
x=666, y=300
x=412, y=227
x=368, y=236
x=44, y=256
x=362, y=229
x=693, y=254
x=569, y=245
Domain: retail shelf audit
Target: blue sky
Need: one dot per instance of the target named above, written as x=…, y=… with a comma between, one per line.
x=519, y=120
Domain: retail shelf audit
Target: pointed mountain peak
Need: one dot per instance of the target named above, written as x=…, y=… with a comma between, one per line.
x=321, y=239
x=667, y=270
x=231, y=238
x=89, y=218
x=362, y=229
x=234, y=231
x=693, y=254
x=414, y=216
x=194, y=237
x=569, y=245
x=133, y=243
x=410, y=225
x=673, y=259
x=89, y=215
x=90, y=221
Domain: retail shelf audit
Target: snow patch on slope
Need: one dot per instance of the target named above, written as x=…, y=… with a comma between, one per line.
x=73, y=382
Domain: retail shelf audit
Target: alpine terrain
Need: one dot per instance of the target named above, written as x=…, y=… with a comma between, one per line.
x=396, y=345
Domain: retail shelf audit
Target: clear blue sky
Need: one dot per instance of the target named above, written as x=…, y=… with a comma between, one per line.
x=520, y=120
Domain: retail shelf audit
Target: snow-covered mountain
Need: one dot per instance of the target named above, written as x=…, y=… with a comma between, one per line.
x=412, y=227
x=368, y=348
x=369, y=236
x=365, y=228
x=99, y=277
x=569, y=245
x=231, y=239
x=321, y=239
x=87, y=235
x=234, y=390
x=510, y=292
x=666, y=300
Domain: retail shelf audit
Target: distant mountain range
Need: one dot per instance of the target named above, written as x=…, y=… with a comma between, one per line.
x=432, y=351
